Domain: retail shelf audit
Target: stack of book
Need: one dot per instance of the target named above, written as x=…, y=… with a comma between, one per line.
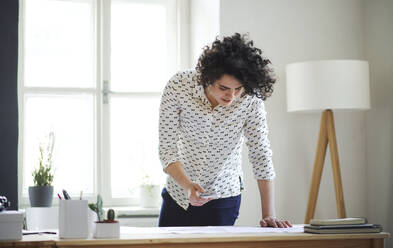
x=344, y=225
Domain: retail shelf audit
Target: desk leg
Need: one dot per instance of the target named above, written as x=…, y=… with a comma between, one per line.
x=377, y=243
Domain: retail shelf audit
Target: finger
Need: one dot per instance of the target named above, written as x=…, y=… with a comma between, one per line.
x=195, y=203
x=198, y=203
x=273, y=224
x=194, y=200
x=280, y=224
x=288, y=223
x=198, y=188
x=194, y=194
x=196, y=197
x=263, y=223
x=203, y=201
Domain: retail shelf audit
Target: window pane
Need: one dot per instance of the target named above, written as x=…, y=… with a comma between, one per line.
x=140, y=59
x=134, y=143
x=59, y=43
x=71, y=118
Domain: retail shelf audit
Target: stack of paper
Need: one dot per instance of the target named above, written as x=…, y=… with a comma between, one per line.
x=344, y=225
x=126, y=230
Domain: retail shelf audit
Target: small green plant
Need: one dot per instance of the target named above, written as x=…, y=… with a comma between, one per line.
x=97, y=208
x=43, y=175
x=110, y=215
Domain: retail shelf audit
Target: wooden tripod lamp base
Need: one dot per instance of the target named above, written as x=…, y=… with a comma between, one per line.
x=327, y=135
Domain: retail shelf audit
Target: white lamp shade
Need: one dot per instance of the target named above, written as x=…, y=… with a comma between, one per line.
x=328, y=84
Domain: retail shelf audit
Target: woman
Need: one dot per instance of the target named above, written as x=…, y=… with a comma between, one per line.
x=204, y=116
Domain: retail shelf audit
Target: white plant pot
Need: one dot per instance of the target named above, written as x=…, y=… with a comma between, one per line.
x=106, y=230
x=149, y=196
x=92, y=216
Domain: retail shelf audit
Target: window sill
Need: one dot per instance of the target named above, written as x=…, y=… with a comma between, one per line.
x=125, y=212
x=135, y=212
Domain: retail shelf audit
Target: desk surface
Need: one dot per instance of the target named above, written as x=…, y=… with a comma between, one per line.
x=375, y=240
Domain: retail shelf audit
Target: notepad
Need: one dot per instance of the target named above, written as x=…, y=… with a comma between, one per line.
x=356, y=228
x=341, y=221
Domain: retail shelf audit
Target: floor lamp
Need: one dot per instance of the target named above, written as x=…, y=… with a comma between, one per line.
x=324, y=86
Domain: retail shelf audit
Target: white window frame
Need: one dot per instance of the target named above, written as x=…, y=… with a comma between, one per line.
x=102, y=177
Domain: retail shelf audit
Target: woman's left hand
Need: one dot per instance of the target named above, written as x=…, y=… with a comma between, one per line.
x=271, y=221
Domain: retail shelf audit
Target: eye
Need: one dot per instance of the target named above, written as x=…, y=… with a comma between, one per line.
x=223, y=88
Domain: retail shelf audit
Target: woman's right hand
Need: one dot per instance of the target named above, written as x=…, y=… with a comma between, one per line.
x=194, y=190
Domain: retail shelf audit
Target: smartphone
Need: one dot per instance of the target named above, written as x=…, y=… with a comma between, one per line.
x=208, y=196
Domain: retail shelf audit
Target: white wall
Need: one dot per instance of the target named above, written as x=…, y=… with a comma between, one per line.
x=379, y=52
x=289, y=31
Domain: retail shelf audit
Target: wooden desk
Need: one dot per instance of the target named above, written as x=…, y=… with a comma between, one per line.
x=272, y=240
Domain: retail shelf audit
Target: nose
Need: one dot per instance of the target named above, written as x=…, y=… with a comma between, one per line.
x=231, y=93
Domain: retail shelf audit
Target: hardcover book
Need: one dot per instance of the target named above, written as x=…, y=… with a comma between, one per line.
x=368, y=228
x=342, y=221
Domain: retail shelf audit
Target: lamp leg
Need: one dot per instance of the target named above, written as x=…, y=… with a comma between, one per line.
x=318, y=166
x=335, y=165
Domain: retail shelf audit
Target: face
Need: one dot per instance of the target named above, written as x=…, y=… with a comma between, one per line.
x=224, y=91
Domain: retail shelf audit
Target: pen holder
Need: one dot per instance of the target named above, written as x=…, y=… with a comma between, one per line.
x=73, y=219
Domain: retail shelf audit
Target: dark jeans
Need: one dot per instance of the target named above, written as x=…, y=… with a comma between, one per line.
x=219, y=212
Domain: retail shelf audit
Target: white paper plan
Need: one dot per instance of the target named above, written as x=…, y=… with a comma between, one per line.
x=209, y=229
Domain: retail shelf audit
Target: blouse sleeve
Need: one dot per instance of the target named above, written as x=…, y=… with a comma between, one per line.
x=256, y=132
x=169, y=122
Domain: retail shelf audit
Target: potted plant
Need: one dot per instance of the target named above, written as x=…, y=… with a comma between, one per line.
x=149, y=193
x=41, y=194
x=109, y=228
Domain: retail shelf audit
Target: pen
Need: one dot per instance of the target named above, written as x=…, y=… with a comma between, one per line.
x=66, y=195
x=58, y=195
x=38, y=232
x=80, y=197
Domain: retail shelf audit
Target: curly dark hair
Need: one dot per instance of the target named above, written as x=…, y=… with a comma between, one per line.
x=236, y=56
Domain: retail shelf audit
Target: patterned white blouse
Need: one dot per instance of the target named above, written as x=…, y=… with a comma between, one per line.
x=208, y=142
